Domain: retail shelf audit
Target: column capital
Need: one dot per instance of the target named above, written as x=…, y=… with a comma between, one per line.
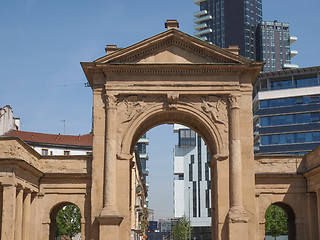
x=111, y=100
x=234, y=101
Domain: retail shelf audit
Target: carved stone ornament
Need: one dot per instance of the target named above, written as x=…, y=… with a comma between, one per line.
x=215, y=108
x=234, y=100
x=111, y=101
x=172, y=99
x=133, y=107
x=122, y=156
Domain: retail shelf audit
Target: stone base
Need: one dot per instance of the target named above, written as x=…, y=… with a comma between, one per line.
x=237, y=224
x=109, y=226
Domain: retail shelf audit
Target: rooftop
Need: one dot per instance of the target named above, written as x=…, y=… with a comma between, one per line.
x=57, y=139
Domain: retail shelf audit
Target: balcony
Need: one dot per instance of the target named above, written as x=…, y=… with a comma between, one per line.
x=200, y=26
x=145, y=171
x=198, y=2
x=290, y=66
x=293, y=53
x=203, y=38
x=200, y=13
x=203, y=32
x=143, y=140
x=202, y=19
x=144, y=156
x=293, y=39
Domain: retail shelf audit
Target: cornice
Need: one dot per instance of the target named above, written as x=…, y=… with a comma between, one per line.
x=176, y=69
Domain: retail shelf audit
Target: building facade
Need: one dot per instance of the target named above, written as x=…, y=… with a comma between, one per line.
x=192, y=184
x=139, y=209
x=274, y=46
x=286, y=111
x=228, y=23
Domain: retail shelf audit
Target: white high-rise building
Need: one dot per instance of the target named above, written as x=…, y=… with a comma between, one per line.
x=192, y=183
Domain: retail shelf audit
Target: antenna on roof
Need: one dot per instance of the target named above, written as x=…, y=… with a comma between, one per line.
x=64, y=126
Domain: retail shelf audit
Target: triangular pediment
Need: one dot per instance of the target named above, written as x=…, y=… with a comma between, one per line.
x=172, y=47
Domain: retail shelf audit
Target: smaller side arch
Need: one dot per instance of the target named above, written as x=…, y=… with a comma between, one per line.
x=291, y=218
x=53, y=214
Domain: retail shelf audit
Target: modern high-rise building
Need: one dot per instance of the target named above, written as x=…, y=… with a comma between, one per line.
x=192, y=184
x=144, y=156
x=273, y=46
x=286, y=111
x=227, y=23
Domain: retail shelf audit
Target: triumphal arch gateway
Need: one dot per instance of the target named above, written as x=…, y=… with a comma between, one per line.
x=169, y=78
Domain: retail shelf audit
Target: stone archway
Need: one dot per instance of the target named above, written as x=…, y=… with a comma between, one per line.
x=173, y=77
x=291, y=219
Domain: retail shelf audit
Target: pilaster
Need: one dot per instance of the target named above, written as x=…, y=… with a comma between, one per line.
x=8, y=212
x=26, y=215
x=318, y=206
x=19, y=207
x=109, y=219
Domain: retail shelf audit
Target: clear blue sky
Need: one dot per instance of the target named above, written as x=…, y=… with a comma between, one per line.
x=43, y=42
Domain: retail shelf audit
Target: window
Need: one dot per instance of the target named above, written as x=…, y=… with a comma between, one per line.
x=299, y=100
x=315, y=116
x=44, y=151
x=187, y=138
x=290, y=138
x=89, y=153
x=316, y=136
x=141, y=148
x=190, y=173
x=314, y=99
x=66, y=153
x=307, y=82
x=300, y=137
x=194, y=198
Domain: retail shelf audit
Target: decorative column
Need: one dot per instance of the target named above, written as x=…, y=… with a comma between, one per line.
x=109, y=201
x=18, y=222
x=318, y=205
x=236, y=216
x=109, y=218
x=26, y=215
x=8, y=212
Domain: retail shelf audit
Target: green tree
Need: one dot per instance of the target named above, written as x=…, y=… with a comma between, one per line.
x=68, y=221
x=276, y=221
x=181, y=229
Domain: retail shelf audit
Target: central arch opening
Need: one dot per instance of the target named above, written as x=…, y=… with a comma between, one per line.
x=178, y=179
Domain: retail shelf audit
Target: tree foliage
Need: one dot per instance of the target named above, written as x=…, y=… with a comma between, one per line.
x=276, y=221
x=68, y=221
x=181, y=229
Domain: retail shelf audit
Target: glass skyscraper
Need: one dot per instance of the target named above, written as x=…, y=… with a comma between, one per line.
x=227, y=23
x=273, y=46
x=286, y=111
